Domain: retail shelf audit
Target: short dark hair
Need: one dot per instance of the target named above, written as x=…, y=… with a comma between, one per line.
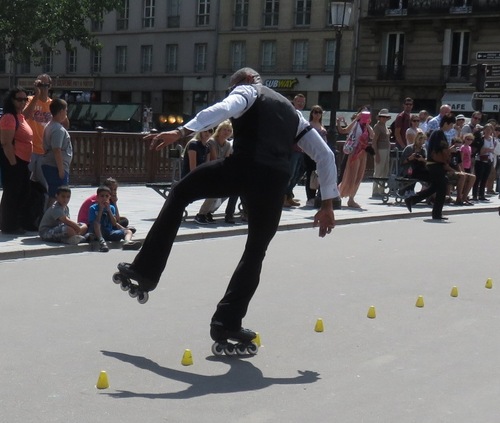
x=103, y=188
x=57, y=105
x=448, y=118
x=63, y=188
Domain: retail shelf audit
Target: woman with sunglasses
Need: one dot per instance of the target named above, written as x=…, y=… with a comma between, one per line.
x=413, y=130
x=15, y=154
x=197, y=151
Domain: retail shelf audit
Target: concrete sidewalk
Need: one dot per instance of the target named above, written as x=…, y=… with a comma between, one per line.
x=141, y=206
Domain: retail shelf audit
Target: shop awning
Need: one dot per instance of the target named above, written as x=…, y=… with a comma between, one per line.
x=116, y=117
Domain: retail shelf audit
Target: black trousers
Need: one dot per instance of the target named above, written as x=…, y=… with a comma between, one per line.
x=482, y=171
x=438, y=183
x=261, y=187
x=16, y=186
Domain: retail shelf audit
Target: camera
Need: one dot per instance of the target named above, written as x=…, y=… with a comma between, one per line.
x=418, y=155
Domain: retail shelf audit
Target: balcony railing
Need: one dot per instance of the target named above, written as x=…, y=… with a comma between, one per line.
x=393, y=73
x=457, y=73
x=125, y=156
x=431, y=7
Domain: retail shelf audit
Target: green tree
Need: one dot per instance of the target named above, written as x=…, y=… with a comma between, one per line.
x=27, y=27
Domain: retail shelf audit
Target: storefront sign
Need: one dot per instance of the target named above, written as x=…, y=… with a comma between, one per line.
x=281, y=83
x=82, y=84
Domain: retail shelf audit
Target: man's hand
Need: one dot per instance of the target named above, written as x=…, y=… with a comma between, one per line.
x=325, y=218
x=162, y=140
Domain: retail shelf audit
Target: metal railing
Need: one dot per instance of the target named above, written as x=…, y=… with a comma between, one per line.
x=125, y=156
x=431, y=7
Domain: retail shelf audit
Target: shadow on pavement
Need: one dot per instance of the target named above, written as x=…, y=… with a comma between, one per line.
x=242, y=376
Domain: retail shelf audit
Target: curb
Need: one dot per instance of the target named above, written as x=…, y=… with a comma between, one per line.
x=56, y=249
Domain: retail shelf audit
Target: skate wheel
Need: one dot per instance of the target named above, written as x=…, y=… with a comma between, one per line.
x=124, y=286
x=230, y=350
x=241, y=349
x=117, y=278
x=143, y=297
x=133, y=292
x=217, y=349
x=252, y=348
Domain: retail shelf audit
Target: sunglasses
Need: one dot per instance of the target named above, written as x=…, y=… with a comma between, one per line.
x=21, y=99
x=415, y=120
x=408, y=104
x=317, y=112
x=43, y=85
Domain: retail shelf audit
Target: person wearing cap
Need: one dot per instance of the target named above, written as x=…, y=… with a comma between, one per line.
x=459, y=126
x=382, y=146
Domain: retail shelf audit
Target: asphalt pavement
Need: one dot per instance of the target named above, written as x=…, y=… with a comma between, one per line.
x=141, y=206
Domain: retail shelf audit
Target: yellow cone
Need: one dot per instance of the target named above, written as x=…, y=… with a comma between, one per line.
x=256, y=340
x=420, y=301
x=371, y=313
x=319, y=326
x=102, y=381
x=187, y=358
x=489, y=283
x=454, y=292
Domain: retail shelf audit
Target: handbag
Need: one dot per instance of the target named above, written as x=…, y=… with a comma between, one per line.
x=351, y=143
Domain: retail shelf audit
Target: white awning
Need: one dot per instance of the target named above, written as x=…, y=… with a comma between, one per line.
x=459, y=102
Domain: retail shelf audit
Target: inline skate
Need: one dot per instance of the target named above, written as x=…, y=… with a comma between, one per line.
x=243, y=341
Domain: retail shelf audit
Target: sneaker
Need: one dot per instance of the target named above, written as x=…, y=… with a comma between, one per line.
x=89, y=237
x=103, y=247
x=201, y=219
x=131, y=245
x=73, y=240
x=210, y=218
x=310, y=202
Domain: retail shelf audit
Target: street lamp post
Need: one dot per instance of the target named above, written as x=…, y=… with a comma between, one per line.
x=341, y=12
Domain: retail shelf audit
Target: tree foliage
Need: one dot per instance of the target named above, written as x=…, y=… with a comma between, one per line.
x=29, y=26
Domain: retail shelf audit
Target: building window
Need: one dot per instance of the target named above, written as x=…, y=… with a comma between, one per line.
x=171, y=57
x=200, y=101
x=238, y=55
x=459, y=58
x=148, y=19
x=173, y=13
x=122, y=16
x=203, y=15
x=241, y=13
x=96, y=61
x=271, y=12
x=96, y=24
x=393, y=57
x=121, y=59
x=71, y=61
x=47, y=61
x=2, y=61
x=302, y=12
x=146, y=59
x=200, y=57
x=300, y=55
x=268, y=62
x=330, y=46
x=25, y=66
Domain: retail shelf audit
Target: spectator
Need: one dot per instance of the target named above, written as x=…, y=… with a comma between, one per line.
x=37, y=113
x=423, y=117
x=316, y=121
x=17, y=145
x=354, y=172
x=464, y=181
x=382, y=146
x=296, y=161
x=402, y=123
x=413, y=130
x=196, y=152
x=220, y=148
x=483, y=163
x=58, y=149
x=438, y=160
x=413, y=163
x=112, y=184
x=434, y=123
x=56, y=224
x=103, y=223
